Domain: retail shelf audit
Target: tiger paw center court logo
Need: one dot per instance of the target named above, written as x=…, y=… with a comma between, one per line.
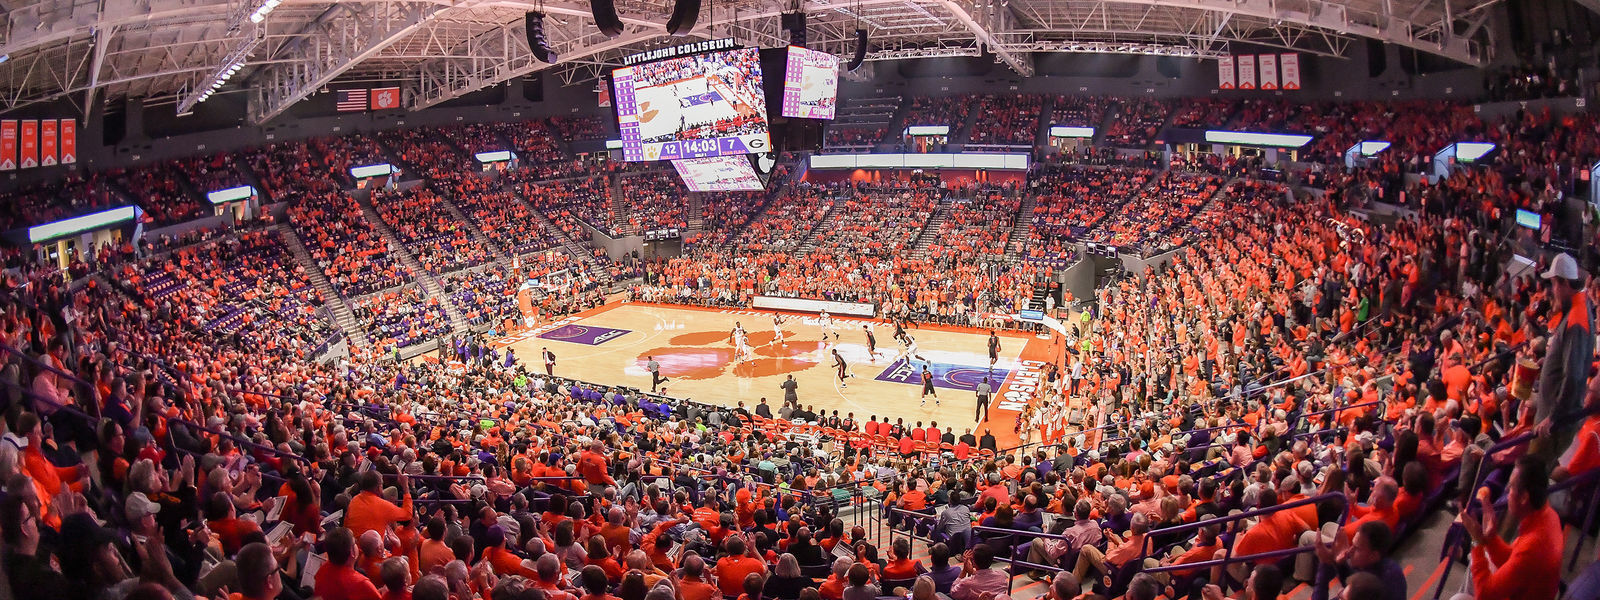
x=699, y=355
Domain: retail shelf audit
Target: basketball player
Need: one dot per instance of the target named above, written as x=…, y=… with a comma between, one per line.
x=741, y=343
x=927, y=387
x=872, y=343
x=994, y=349
x=826, y=322
x=549, y=362
x=900, y=331
x=843, y=368
x=911, y=350
x=777, y=329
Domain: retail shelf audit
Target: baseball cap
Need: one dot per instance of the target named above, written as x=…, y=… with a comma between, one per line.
x=1563, y=266
x=139, y=505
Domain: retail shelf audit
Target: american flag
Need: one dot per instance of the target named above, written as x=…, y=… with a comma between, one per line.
x=351, y=100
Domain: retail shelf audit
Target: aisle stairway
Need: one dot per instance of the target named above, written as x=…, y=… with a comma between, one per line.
x=502, y=255
x=429, y=285
x=1041, y=139
x=930, y=230
x=620, y=209
x=697, y=216
x=342, y=316
x=1017, y=240
x=810, y=241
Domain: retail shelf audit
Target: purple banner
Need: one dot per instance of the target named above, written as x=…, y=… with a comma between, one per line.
x=947, y=376
x=584, y=334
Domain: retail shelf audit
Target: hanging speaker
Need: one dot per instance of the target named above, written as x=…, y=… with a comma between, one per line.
x=684, y=15
x=861, y=50
x=795, y=24
x=533, y=25
x=605, y=17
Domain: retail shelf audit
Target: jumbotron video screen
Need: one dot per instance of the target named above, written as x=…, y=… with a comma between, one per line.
x=811, y=84
x=696, y=106
x=718, y=174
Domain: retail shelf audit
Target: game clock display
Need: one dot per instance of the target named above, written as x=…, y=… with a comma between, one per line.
x=695, y=106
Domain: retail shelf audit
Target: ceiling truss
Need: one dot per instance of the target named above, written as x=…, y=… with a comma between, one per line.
x=439, y=50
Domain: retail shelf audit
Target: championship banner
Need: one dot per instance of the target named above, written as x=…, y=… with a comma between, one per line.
x=1225, y=72
x=29, y=145
x=1269, y=72
x=1291, y=71
x=8, y=145
x=69, y=141
x=1247, y=71
x=47, y=143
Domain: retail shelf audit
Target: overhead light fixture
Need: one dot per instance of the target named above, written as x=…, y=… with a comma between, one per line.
x=265, y=9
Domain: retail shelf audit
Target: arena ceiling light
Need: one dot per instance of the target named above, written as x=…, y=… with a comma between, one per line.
x=266, y=8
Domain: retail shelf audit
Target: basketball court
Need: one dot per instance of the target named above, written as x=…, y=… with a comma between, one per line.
x=694, y=346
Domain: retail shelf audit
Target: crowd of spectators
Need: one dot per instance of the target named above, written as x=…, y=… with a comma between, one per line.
x=950, y=111
x=401, y=317
x=484, y=296
x=147, y=457
x=75, y=193
x=1147, y=220
x=1137, y=122
x=210, y=173
x=287, y=170
x=579, y=128
x=978, y=223
x=789, y=219
x=347, y=151
x=1006, y=119
x=245, y=285
x=655, y=200
x=1071, y=200
x=854, y=135
x=426, y=151
x=876, y=220
x=159, y=189
x=504, y=218
x=421, y=221
x=352, y=255
x=1079, y=111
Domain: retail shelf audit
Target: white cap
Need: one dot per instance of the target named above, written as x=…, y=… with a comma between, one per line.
x=1563, y=266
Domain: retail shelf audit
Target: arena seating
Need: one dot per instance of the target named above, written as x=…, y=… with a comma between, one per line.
x=977, y=225
x=1005, y=120
x=345, y=152
x=787, y=222
x=287, y=170
x=1279, y=376
x=938, y=110
x=210, y=173
x=500, y=215
x=352, y=255
x=426, y=151
x=1079, y=111
x=876, y=221
x=579, y=128
x=419, y=218
x=1152, y=213
x=160, y=190
x=401, y=317
x=655, y=200
x=1070, y=201
x=860, y=123
x=1137, y=122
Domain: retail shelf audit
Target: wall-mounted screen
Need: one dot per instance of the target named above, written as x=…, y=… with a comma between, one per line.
x=1528, y=218
x=695, y=106
x=810, y=84
x=718, y=174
